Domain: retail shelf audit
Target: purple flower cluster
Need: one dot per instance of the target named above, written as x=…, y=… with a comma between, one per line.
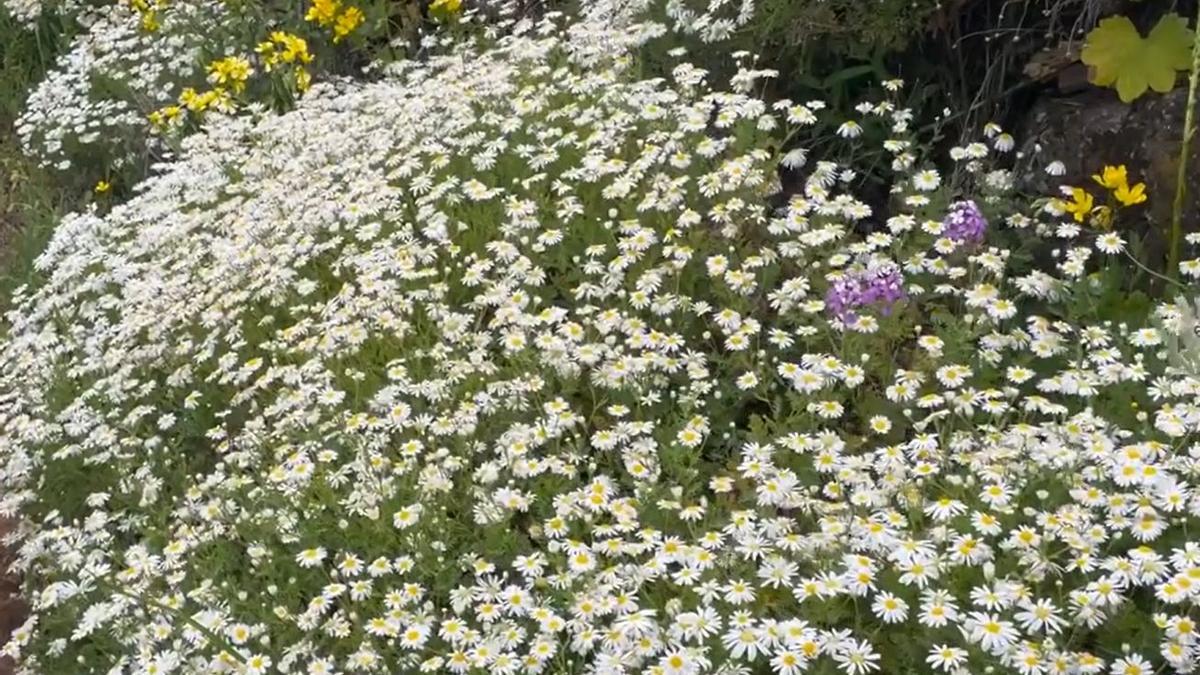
x=879, y=284
x=965, y=222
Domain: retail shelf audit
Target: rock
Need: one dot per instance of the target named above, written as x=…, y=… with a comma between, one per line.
x=1094, y=128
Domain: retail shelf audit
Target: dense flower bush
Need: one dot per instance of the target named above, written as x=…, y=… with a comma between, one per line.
x=29, y=11
x=142, y=73
x=95, y=104
x=507, y=363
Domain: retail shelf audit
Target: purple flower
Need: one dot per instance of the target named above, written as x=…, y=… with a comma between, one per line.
x=878, y=284
x=965, y=222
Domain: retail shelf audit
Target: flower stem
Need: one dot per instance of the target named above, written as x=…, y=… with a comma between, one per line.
x=1189, y=130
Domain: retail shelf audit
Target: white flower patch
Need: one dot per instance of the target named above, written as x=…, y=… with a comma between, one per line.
x=94, y=103
x=505, y=363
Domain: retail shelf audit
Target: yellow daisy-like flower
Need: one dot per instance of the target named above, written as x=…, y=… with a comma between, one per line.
x=1081, y=204
x=231, y=71
x=347, y=21
x=323, y=12
x=1112, y=177
x=283, y=48
x=1116, y=179
x=444, y=9
x=1130, y=196
x=165, y=116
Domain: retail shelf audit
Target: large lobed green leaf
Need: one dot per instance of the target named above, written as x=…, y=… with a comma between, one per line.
x=1121, y=58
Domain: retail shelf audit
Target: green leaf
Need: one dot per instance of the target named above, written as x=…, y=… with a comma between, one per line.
x=848, y=74
x=1121, y=58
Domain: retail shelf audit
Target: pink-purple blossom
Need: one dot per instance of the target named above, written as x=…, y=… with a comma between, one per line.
x=965, y=223
x=879, y=284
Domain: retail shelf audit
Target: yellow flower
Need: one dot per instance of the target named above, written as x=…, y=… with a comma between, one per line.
x=1130, y=196
x=1116, y=178
x=231, y=71
x=1113, y=177
x=148, y=12
x=295, y=49
x=303, y=80
x=323, y=12
x=214, y=98
x=346, y=23
x=190, y=99
x=1102, y=217
x=166, y=115
x=266, y=49
x=221, y=100
x=103, y=187
x=283, y=48
x=333, y=13
x=444, y=8
x=1081, y=205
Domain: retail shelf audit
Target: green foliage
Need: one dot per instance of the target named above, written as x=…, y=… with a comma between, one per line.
x=1189, y=132
x=30, y=202
x=1123, y=59
x=800, y=38
x=25, y=55
x=840, y=27
x=30, y=206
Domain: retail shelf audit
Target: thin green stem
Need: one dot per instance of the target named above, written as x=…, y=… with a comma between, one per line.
x=1189, y=130
x=1152, y=272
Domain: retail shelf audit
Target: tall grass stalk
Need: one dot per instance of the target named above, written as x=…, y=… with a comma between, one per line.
x=1189, y=131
